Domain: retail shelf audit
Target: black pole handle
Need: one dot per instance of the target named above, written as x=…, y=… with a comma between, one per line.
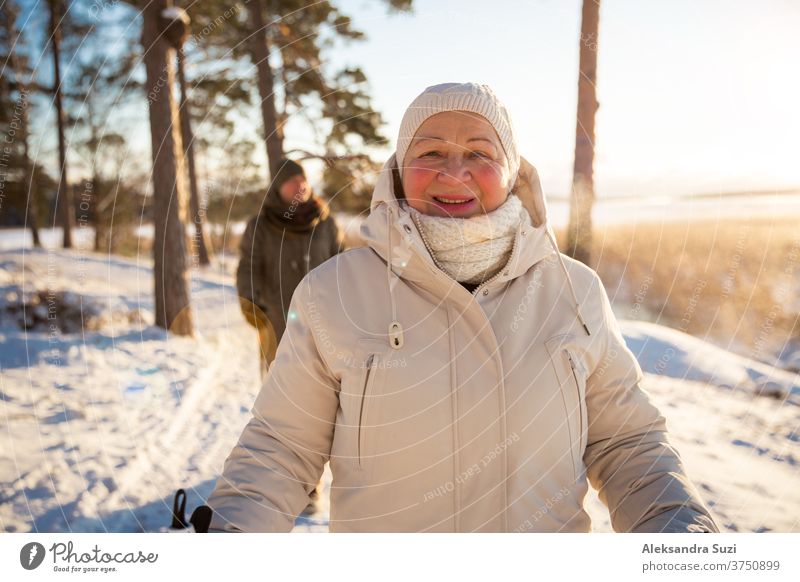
x=179, y=510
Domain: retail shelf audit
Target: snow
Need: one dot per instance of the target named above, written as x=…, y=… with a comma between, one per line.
x=102, y=426
x=670, y=352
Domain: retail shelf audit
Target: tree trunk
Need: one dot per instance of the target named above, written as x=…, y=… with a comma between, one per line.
x=30, y=209
x=99, y=238
x=64, y=207
x=96, y=220
x=579, y=233
x=30, y=199
x=200, y=238
x=173, y=311
x=273, y=131
x=27, y=166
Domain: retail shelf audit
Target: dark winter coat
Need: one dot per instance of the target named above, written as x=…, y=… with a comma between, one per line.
x=272, y=262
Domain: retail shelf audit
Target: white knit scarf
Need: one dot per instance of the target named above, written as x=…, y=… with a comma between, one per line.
x=473, y=249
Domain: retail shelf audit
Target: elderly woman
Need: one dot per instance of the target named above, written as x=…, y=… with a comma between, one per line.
x=459, y=373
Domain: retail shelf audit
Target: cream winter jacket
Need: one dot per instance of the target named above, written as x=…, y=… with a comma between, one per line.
x=445, y=410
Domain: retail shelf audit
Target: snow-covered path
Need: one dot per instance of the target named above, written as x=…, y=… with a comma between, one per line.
x=102, y=427
x=99, y=428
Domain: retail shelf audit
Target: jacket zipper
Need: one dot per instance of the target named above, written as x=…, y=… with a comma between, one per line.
x=425, y=241
x=500, y=272
x=370, y=360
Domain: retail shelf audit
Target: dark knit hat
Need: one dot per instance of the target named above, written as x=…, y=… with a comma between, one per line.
x=287, y=169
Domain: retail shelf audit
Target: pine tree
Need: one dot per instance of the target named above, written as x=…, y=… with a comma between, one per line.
x=335, y=103
x=97, y=87
x=14, y=104
x=64, y=207
x=173, y=310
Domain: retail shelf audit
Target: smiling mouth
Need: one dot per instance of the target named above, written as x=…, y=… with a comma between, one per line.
x=452, y=200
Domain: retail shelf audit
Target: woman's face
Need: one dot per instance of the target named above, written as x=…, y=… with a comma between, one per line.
x=295, y=190
x=455, y=166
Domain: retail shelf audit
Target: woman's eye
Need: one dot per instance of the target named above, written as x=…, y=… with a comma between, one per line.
x=482, y=155
x=430, y=154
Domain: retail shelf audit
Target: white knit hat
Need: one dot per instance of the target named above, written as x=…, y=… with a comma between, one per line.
x=471, y=97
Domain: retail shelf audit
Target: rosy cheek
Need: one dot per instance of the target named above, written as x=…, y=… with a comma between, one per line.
x=490, y=181
x=416, y=181
x=487, y=176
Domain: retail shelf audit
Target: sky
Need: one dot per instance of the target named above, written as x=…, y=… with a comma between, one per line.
x=695, y=96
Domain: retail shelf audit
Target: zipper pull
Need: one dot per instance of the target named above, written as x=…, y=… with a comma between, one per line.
x=396, y=335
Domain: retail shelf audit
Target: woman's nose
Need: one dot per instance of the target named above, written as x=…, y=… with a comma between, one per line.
x=454, y=172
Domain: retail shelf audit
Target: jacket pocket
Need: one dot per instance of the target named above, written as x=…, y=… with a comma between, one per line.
x=579, y=377
x=572, y=384
x=361, y=380
x=368, y=395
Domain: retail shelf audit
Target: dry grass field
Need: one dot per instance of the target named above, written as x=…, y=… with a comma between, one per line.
x=735, y=283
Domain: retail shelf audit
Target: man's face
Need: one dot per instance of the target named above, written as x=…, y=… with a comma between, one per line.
x=456, y=166
x=295, y=190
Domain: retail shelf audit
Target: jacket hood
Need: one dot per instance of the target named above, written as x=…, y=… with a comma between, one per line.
x=391, y=232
